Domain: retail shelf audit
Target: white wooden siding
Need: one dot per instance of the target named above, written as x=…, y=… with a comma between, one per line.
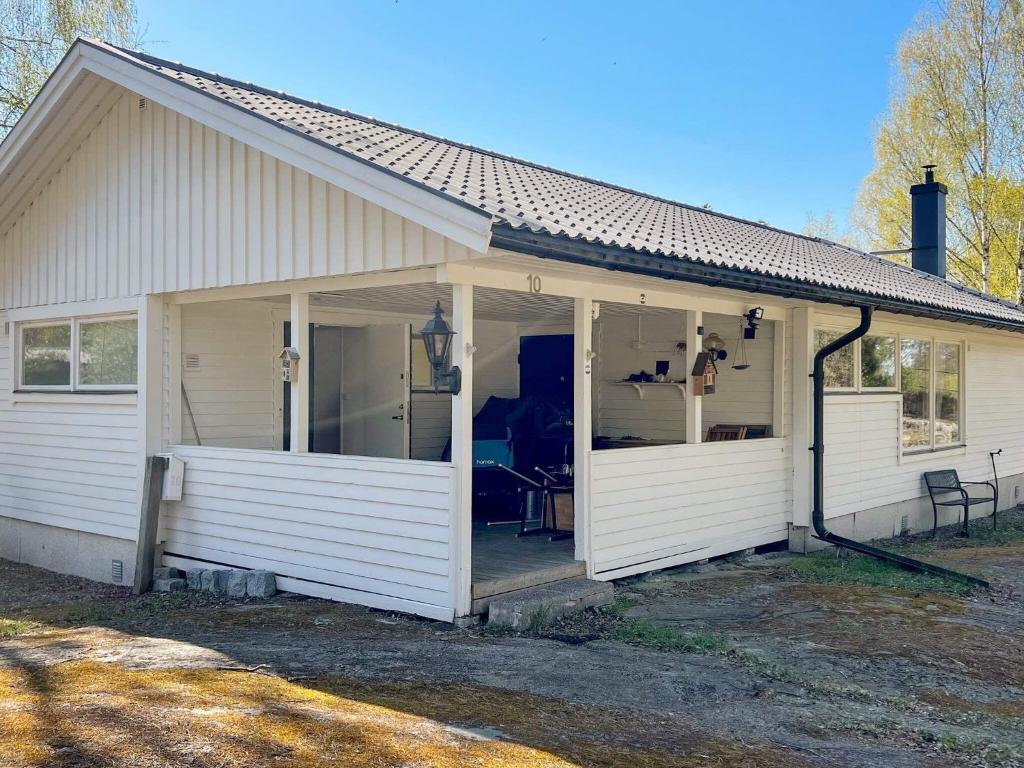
x=741, y=397
x=863, y=469
x=661, y=414
x=377, y=529
x=68, y=461
x=234, y=391
x=661, y=506
x=154, y=202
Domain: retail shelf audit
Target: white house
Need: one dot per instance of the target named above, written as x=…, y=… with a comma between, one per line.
x=166, y=232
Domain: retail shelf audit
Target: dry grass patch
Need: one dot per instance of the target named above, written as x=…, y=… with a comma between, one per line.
x=86, y=713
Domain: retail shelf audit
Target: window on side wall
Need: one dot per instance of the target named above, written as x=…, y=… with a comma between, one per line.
x=88, y=354
x=839, y=366
x=878, y=362
x=931, y=374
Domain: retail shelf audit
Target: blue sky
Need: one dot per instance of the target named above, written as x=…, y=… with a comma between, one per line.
x=765, y=110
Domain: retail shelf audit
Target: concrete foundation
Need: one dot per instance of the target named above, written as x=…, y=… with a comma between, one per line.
x=909, y=516
x=63, y=550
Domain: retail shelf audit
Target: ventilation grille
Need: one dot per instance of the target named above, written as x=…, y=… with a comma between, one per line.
x=192, y=361
x=117, y=571
x=143, y=103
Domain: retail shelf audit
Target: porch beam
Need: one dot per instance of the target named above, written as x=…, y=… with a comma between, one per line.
x=310, y=285
x=803, y=350
x=599, y=288
x=299, y=338
x=582, y=430
x=694, y=346
x=461, y=531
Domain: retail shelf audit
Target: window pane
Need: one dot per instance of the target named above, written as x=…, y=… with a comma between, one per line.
x=878, y=361
x=915, y=375
x=108, y=353
x=46, y=356
x=947, y=393
x=838, y=366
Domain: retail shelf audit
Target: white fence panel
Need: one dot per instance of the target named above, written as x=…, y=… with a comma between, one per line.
x=362, y=530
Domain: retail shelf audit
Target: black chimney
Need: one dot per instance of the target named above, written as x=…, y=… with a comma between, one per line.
x=928, y=224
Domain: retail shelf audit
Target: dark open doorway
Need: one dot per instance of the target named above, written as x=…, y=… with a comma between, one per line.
x=325, y=361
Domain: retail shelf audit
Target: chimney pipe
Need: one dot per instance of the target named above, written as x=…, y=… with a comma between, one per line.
x=928, y=224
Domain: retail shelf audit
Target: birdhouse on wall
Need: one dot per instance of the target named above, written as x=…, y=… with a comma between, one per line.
x=704, y=373
x=289, y=365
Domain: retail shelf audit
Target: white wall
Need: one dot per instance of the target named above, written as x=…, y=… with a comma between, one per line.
x=152, y=202
x=234, y=392
x=619, y=411
x=661, y=506
x=369, y=531
x=68, y=460
x=863, y=466
x=741, y=397
x=495, y=373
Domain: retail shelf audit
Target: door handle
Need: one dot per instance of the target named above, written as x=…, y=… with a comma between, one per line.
x=398, y=418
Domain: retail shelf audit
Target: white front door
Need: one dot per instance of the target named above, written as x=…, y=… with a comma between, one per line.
x=386, y=398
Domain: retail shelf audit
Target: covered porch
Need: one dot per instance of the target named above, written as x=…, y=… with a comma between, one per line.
x=563, y=453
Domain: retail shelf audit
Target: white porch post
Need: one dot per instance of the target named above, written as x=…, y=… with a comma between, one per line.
x=803, y=349
x=694, y=346
x=462, y=451
x=299, y=416
x=582, y=411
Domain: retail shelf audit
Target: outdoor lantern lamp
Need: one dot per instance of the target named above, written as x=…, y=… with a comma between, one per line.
x=437, y=338
x=714, y=345
x=753, y=317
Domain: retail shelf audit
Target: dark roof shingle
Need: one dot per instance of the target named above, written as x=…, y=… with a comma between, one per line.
x=546, y=200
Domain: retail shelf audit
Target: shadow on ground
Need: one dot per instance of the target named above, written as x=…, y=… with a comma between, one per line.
x=766, y=661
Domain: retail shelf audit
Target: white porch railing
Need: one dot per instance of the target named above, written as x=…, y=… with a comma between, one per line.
x=661, y=506
x=356, y=529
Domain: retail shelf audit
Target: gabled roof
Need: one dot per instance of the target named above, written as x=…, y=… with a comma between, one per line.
x=524, y=197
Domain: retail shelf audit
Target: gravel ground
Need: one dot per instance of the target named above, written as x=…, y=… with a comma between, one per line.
x=799, y=667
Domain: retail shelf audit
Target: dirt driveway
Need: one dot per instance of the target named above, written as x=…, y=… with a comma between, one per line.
x=766, y=661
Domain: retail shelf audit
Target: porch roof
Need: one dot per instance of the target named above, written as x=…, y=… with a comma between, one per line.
x=543, y=208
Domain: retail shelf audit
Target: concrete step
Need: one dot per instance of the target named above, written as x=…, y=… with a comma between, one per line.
x=538, y=605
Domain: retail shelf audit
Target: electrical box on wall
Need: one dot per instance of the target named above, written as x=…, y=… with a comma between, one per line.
x=174, y=479
x=289, y=364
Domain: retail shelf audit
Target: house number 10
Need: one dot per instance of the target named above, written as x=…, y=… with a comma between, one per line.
x=533, y=281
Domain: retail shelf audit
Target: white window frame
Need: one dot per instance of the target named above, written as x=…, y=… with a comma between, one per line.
x=20, y=345
x=933, y=339
x=75, y=324
x=76, y=343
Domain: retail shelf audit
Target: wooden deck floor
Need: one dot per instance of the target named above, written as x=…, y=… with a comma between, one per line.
x=503, y=562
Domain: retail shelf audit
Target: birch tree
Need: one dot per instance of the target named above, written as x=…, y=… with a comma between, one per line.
x=956, y=102
x=35, y=34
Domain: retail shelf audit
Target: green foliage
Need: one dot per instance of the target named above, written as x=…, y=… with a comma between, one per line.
x=12, y=627
x=957, y=101
x=829, y=567
x=35, y=34
x=663, y=638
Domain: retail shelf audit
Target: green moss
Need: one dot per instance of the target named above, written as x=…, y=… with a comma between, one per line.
x=12, y=627
x=662, y=638
x=829, y=568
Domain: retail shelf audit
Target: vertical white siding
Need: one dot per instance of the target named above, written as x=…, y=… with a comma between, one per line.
x=662, y=506
x=377, y=530
x=68, y=462
x=153, y=202
x=741, y=397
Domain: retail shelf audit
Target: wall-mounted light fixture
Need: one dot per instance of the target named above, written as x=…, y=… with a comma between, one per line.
x=714, y=345
x=754, y=316
x=437, y=338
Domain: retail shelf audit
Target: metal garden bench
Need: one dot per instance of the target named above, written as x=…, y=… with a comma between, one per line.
x=944, y=483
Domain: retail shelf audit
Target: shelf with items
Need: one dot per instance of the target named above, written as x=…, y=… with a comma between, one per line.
x=640, y=386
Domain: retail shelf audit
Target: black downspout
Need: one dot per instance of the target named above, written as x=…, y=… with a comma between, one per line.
x=818, y=449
